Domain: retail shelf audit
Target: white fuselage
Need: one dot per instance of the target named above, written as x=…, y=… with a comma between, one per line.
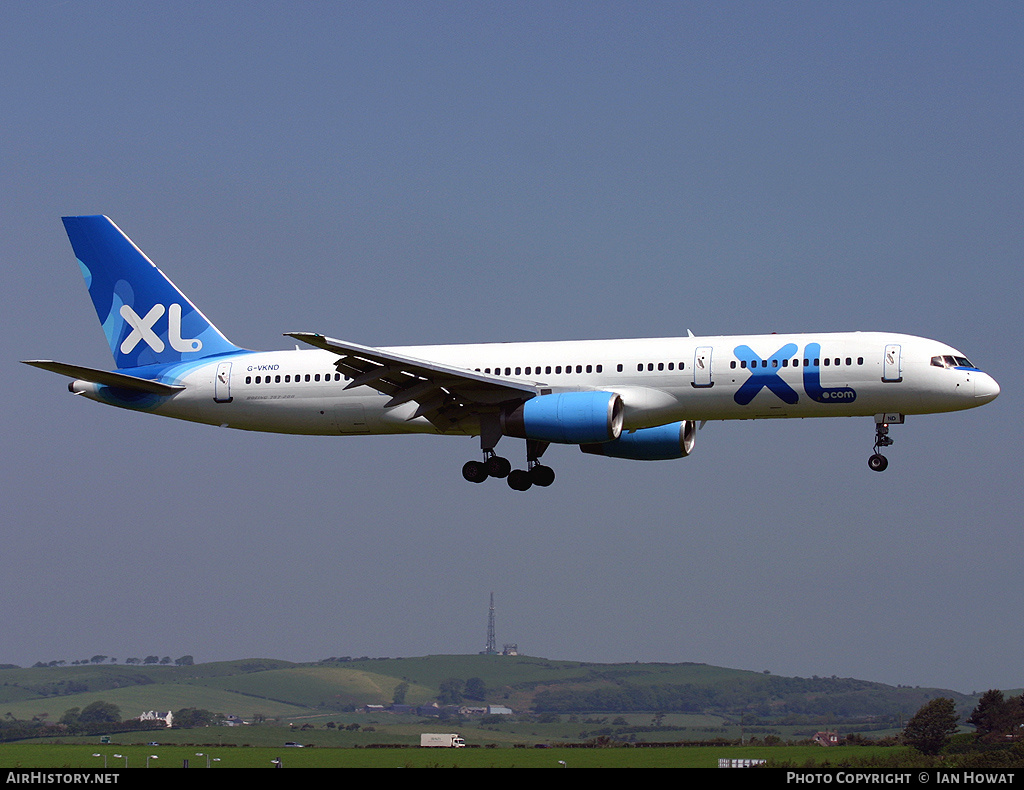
x=660, y=380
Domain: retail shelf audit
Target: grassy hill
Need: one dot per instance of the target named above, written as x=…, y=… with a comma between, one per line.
x=281, y=689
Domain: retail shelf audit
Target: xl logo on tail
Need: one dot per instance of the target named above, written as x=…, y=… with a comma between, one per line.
x=142, y=329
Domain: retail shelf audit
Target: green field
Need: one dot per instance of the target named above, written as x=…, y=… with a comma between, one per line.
x=323, y=706
x=75, y=757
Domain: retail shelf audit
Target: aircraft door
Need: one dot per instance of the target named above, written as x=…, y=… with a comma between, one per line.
x=222, y=383
x=892, y=370
x=350, y=418
x=702, y=367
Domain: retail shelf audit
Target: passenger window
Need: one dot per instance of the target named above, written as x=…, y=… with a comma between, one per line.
x=600, y=368
x=618, y=367
x=248, y=379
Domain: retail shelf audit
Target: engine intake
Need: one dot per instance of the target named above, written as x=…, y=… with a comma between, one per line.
x=661, y=443
x=567, y=418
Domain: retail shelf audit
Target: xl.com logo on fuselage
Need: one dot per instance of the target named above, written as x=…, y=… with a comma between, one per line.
x=764, y=374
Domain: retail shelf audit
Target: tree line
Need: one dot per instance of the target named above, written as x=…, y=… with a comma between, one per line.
x=998, y=721
x=97, y=718
x=184, y=661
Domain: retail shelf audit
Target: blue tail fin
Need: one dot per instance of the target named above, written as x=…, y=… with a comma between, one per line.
x=146, y=319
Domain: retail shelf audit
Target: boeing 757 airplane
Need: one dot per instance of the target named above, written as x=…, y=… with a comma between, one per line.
x=634, y=399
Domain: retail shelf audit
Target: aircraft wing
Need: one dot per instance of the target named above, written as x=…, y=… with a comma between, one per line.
x=107, y=377
x=447, y=396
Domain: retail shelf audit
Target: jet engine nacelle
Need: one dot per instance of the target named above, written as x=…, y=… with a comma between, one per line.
x=661, y=443
x=567, y=418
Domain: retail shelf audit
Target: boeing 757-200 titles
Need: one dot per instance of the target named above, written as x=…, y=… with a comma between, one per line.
x=635, y=399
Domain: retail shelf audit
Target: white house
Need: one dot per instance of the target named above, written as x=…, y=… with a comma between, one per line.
x=152, y=715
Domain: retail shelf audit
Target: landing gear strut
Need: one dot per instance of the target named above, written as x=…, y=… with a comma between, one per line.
x=878, y=462
x=535, y=474
x=493, y=465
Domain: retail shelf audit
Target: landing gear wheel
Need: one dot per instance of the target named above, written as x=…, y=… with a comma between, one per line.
x=541, y=475
x=878, y=462
x=497, y=466
x=474, y=471
x=519, y=480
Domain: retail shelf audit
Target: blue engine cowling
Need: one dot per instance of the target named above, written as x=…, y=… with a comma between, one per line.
x=567, y=418
x=662, y=443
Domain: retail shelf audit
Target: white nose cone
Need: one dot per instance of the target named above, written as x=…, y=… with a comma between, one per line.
x=985, y=388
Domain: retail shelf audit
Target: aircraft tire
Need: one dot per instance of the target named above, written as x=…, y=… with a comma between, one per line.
x=519, y=480
x=878, y=462
x=474, y=471
x=542, y=475
x=497, y=466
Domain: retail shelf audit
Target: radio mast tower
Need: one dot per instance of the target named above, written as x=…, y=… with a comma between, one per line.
x=492, y=647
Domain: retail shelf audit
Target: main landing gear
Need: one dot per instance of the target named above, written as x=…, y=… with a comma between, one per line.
x=878, y=462
x=535, y=474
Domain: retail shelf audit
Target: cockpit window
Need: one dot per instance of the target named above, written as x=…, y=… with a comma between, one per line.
x=949, y=361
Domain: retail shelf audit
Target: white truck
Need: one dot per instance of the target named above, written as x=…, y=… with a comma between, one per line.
x=447, y=739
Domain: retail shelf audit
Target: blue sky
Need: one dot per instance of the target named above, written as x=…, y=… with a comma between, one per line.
x=398, y=173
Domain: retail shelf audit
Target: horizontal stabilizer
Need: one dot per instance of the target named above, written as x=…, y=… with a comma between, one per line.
x=106, y=377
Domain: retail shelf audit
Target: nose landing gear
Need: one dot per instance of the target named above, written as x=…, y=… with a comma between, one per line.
x=878, y=462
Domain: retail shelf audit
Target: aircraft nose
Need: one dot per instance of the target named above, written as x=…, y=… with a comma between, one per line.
x=985, y=388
